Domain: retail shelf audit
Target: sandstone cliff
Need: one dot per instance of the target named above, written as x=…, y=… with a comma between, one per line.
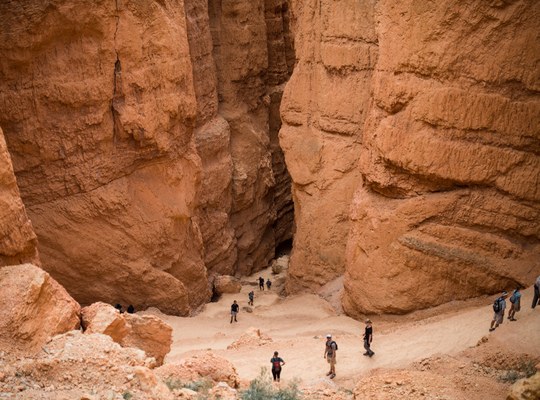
x=412, y=136
x=18, y=242
x=140, y=138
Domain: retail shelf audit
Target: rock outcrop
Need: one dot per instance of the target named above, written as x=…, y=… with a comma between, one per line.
x=34, y=308
x=411, y=135
x=143, y=137
x=145, y=332
x=18, y=244
x=206, y=365
x=226, y=284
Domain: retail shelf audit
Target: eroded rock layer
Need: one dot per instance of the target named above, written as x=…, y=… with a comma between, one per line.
x=439, y=142
x=18, y=242
x=140, y=138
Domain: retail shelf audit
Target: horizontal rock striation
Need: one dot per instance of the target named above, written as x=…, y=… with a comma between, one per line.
x=439, y=199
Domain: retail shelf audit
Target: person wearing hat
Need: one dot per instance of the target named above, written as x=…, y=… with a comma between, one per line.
x=330, y=355
x=368, y=337
x=498, y=307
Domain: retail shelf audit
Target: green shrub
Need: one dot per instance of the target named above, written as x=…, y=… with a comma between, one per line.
x=261, y=388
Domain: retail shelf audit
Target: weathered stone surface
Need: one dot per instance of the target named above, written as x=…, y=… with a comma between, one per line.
x=226, y=284
x=105, y=319
x=18, y=242
x=98, y=109
x=148, y=333
x=411, y=135
x=525, y=389
x=33, y=308
x=206, y=365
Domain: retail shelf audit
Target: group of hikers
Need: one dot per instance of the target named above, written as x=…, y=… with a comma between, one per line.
x=331, y=347
x=499, y=305
x=130, y=309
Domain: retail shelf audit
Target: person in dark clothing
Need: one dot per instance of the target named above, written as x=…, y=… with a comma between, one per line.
x=130, y=309
x=268, y=283
x=498, y=316
x=515, y=304
x=277, y=363
x=251, y=296
x=234, y=311
x=536, y=298
x=119, y=308
x=368, y=337
x=261, y=283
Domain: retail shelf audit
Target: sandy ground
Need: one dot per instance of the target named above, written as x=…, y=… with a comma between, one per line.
x=298, y=325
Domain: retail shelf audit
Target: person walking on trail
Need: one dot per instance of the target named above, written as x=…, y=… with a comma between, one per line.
x=251, y=296
x=498, y=308
x=515, y=304
x=368, y=337
x=234, y=311
x=268, y=283
x=277, y=363
x=261, y=283
x=536, y=298
x=330, y=355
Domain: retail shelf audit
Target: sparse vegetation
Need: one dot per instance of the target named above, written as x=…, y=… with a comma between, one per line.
x=261, y=388
x=127, y=396
x=526, y=369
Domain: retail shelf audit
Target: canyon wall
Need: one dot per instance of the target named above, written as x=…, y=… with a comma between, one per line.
x=440, y=199
x=140, y=139
x=18, y=243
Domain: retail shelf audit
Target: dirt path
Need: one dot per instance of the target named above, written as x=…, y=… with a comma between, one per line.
x=298, y=325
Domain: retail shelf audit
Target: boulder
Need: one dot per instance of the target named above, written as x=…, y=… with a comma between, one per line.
x=526, y=389
x=148, y=333
x=252, y=337
x=206, y=365
x=226, y=284
x=104, y=318
x=34, y=307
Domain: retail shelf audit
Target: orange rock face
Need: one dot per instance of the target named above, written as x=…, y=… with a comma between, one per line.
x=34, y=308
x=141, y=142
x=18, y=242
x=412, y=139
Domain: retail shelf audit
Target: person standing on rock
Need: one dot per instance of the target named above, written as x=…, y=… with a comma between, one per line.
x=368, y=337
x=234, y=311
x=515, y=304
x=261, y=283
x=268, y=283
x=251, y=296
x=330, y=355
x=498, y=308
x=131, y=309
x=536, y=297
x=277, y=363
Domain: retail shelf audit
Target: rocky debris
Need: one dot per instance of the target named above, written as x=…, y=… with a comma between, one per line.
x=222, y=391
x=103, y=318
x=226, y=284
x=151, y=384
x=18, y=242
x=148, y=333
x=526, y=389
x=252, y=337
x=145, y=332
x=34, y=308
x=280, y=264
x=206, y=365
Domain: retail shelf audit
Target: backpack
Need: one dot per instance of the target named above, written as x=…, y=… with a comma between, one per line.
x=497, y=305
x=330, y=350
x=513, y=298
x=276, y=364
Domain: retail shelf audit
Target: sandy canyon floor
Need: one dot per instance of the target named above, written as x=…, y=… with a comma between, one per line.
x=446, y=351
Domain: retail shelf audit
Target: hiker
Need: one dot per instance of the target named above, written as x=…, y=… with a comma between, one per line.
x=261, y=283
x=234, y=311
x=130, y=309
x=330, y=355
x=536, y=298
x=251, y=296
x=277, y=363
x=515, y=304
x=498, y=308
x=119, y=308
x=368, y=337
x=268, y=283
